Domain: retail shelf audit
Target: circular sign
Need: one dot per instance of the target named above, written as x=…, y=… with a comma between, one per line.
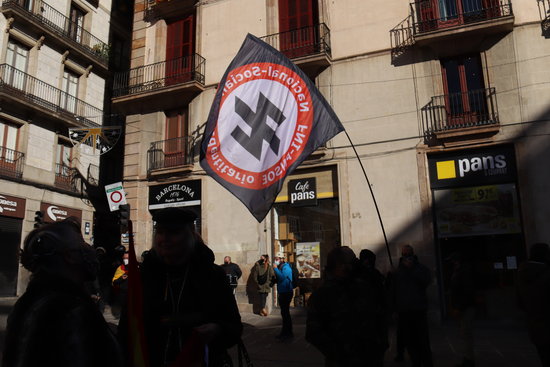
x=264, y=122
x=116, y=197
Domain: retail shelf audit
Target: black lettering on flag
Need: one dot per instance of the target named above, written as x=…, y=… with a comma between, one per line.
x=258, y=123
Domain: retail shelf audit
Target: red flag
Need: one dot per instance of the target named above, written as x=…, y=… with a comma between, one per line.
x=137, y=348
x=192, y=353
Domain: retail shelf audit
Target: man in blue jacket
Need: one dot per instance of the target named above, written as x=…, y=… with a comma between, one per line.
x=285, y=292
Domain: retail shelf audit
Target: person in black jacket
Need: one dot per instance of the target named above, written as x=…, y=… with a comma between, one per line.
x=55, y=322
x=534, y=298
x=409, y=283
x=232, y=271
x=185, y=296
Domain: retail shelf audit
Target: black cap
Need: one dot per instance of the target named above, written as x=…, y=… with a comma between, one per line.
x=173, y=217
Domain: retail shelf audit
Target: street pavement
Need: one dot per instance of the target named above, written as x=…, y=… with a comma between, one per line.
x=502, y=344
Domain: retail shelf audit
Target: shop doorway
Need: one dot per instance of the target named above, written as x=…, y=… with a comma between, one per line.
x=495, y=260
x=10, y=232
x=305, y=235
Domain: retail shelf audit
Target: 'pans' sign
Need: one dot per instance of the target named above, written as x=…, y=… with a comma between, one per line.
x=302, y=192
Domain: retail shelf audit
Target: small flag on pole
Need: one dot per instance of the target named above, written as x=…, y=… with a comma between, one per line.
x=266, y=118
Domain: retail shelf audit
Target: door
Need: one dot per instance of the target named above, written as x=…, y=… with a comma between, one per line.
x=10, y=231
x=76, y=23
x=69, y=91
x=298, y=27
x=180, y=49
x=63, y=164
x=17, y=57
x=176, y=148
x=8, y=154
x=465, y=94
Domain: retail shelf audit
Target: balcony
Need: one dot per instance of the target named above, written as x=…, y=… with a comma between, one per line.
x=22, y=91
x=11, y=163
x=451, y=118
x=308, y=47
x=544, y=12
x=59, y=30
x=64, y=178
x=170, y=156
x=161, y=9
x=160, y=86
x=438, y=21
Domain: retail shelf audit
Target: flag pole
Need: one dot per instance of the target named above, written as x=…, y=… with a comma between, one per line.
x=373, y=198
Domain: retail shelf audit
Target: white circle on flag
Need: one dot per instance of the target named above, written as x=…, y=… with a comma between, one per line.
x=228, y=120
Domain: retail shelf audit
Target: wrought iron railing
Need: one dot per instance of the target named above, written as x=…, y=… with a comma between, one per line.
x=301, y=42
x=22, y=85
x=170, y=153
x=430, y=15
x=63, y=26
x=159, y=75
x=460, y=110
x=11, y=163
x=437, y=14
x=64, y=177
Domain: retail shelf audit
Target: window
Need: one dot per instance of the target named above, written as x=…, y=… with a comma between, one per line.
x=69, y=90
x=17, y=57
x=76, y=23
x=465, y=94
x=180, y=47
x=297, y=18
x=176, y=148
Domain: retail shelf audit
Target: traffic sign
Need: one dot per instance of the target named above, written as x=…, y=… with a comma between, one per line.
x=115, y=195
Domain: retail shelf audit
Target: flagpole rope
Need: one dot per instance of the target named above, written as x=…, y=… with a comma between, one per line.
x=373, y=198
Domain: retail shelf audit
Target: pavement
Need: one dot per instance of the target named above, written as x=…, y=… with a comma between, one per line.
x=497, y=343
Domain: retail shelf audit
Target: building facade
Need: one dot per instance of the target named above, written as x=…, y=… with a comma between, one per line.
x=446, y=102
x=54, y=66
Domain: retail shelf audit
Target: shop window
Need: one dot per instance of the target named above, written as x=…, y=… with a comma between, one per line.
x=17, y=58
x=465, y=94
x=69, y=93
x=176, y=144
x=294, y=225
x=180, y=47
x=76, y=23
x=297, y=19
x=318, y=231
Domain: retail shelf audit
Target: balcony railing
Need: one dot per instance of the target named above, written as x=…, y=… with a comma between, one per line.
x=437, y=14
x=11, y=163
x=21, y=85
x=64, y=177
x=431, y=15
x=171, y=153
x=159, y=75
x=63, y=26
x=460, y=110
x=306, y=41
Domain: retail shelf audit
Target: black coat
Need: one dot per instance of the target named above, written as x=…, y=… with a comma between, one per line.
x=206, y=297
x=55, y=323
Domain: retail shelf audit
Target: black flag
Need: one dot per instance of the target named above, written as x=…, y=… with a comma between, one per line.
x=266, y=118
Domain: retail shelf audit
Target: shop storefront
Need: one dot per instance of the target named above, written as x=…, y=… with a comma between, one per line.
x=56, y=213
x=476, y=209
x=12, y=212
x=177, y=194
x=307, y=222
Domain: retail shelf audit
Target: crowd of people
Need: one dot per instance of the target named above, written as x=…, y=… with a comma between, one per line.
x=189, y=312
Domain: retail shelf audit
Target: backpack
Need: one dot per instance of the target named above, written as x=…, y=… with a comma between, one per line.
x=295, y=275
x=262, y=279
